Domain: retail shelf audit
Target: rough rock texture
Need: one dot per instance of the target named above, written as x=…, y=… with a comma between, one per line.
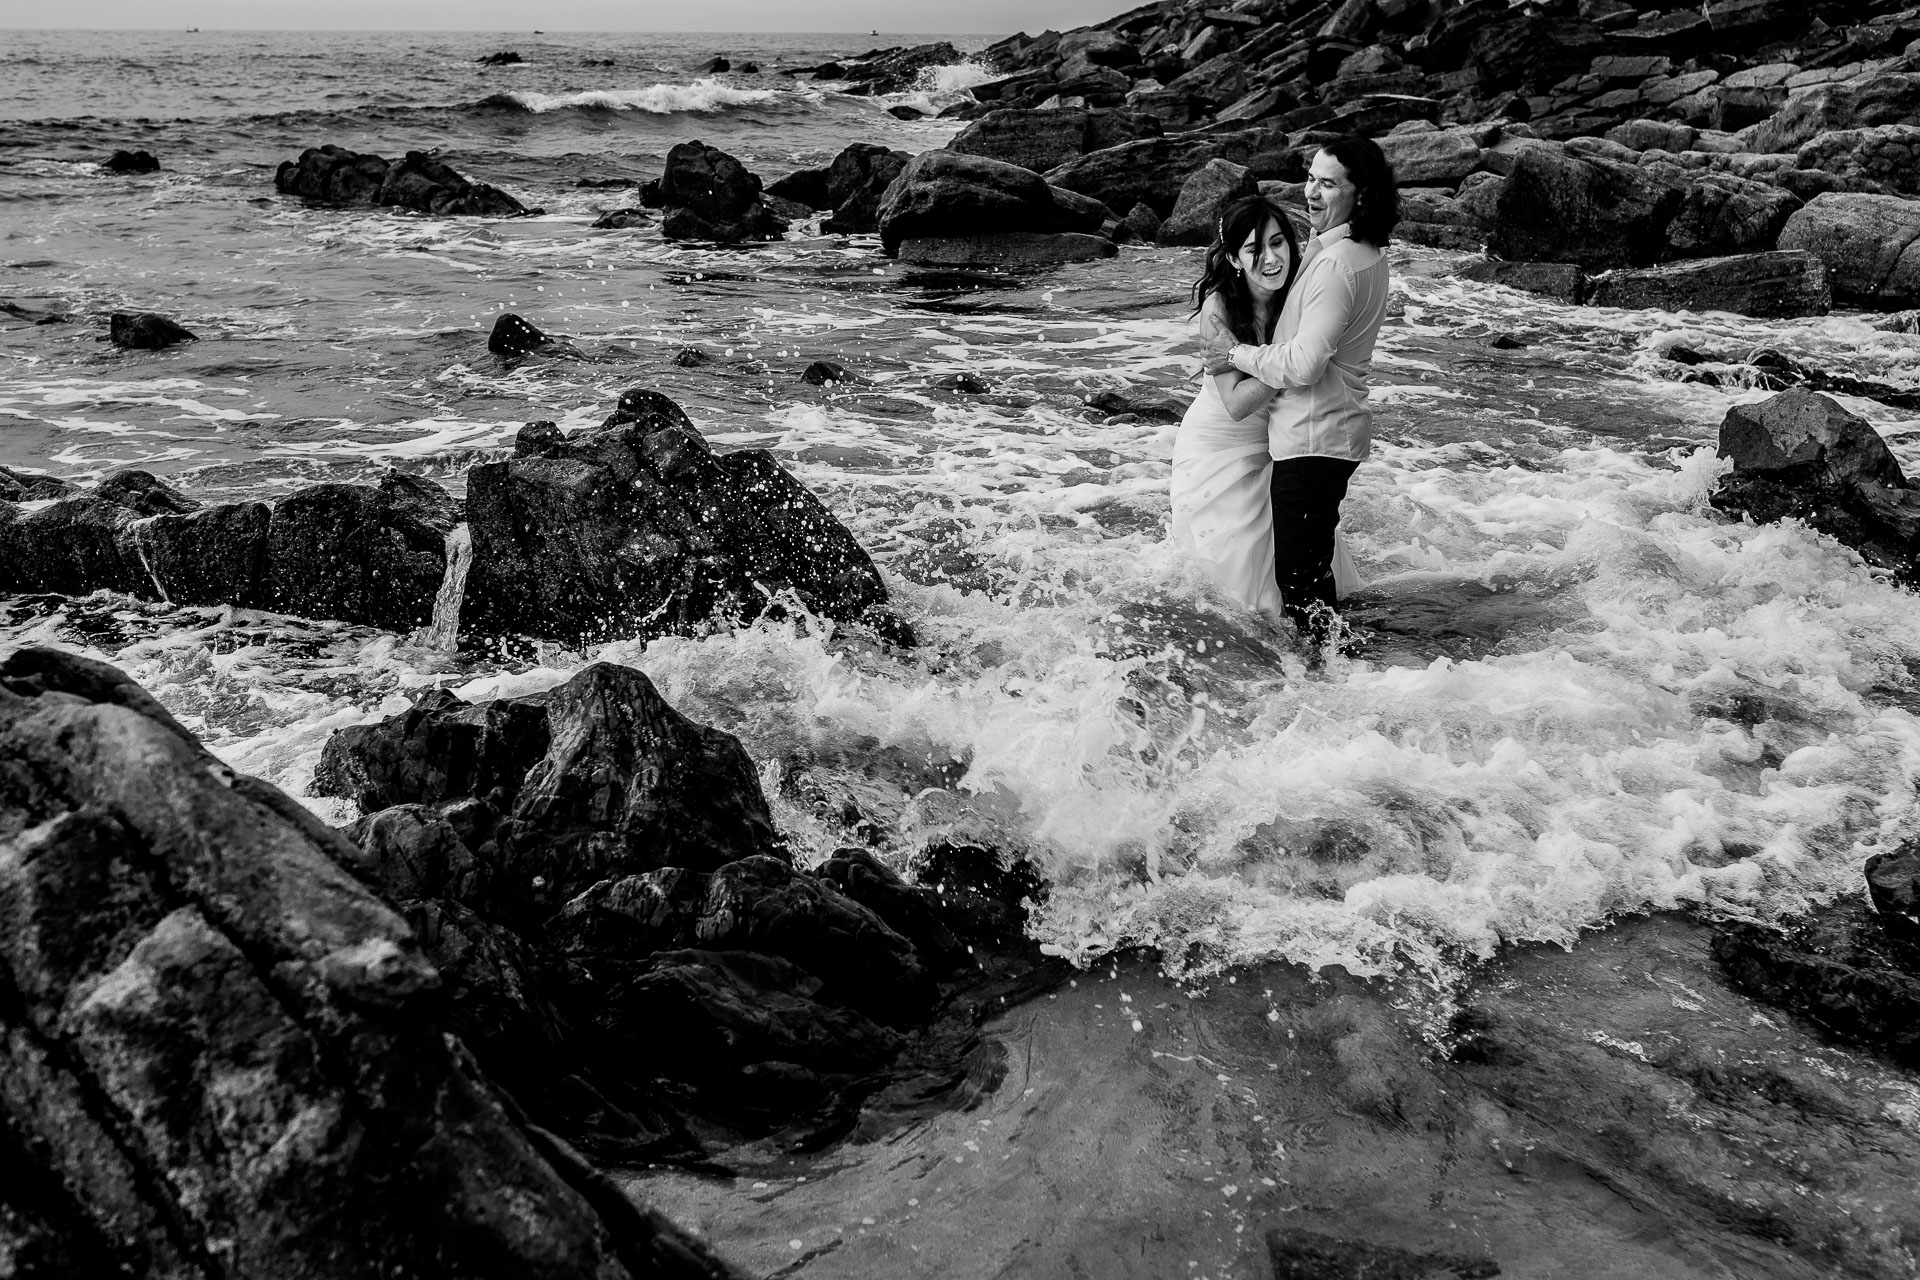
x=146, y=330
x=131, y=162
x=1801, y=454
x=1867, y=242
x=941, y=193
x=1195, y=217
x=856, y=181
x=1845, y=969
x=1043, y=139
x=710, y=195
x=1153, y=170
x=602, y=880
x=1786, y=282
x=640, y=529
x=1011, y=249
x=363, y=553
x=226, y=1057
x=1598, y=213
x=416, y=181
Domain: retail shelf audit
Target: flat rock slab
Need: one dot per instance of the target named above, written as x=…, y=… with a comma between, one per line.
x=1776, y=285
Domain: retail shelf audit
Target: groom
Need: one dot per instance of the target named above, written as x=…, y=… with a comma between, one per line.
x=1320, y=428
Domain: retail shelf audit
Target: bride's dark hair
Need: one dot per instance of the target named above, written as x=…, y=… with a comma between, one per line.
x=1220, y=275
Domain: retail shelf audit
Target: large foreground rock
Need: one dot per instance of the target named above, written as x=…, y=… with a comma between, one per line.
x=640, y=529
x=1801, y=454
x=223, y=1055
x=416, y=181
x=601, y=879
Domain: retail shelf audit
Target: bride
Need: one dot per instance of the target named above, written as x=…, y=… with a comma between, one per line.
x=1222, y=505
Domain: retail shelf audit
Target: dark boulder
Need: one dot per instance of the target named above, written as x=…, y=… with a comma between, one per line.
x=1867, y=242
x=505, y=58
x=143, y=493
x=214, y=555
x=1800, y=454
x=941, y=194
x=640, y=529
x=1565, y=208
x=416, y=181
x=1893, y=881
x=1562, y=280
x=710, y=195
x=131, y=162
x=74, y=546
x=1848, y=970
x=622, y=220
x=805, y=186
x=1040, y=140
x=146, y=331
x=439, y=750
x=895, y=70
x=361, y=553
x=856, y=180
x=1152, y=170
x=1784, y=283
x=823, y=373
x=1721, y=214
x=716, y=65
x=177, y=931
x=513, y=336
x=1195, y=218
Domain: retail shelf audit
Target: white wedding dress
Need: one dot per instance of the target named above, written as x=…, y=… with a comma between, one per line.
x=1223, y=508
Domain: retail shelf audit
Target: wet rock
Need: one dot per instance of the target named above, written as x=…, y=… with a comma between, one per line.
x=691, y=358
x=716, y=65
x=942, y=194
x=710, y=195
x=515, y=336
x=146, y=331
x=895, y=70
x=1309, y=1255
x=74, y=546
x=640, y=529
x=622, y=220
x=1801, y=454
x=25, y=486
x=439, y=750
x=1140, y=226
x=1195, y=218
x=174, y=933
x=1597, y=213
x=505, y=58
x=823, y=373
x=213, y=555
x=361, y=553
x=1893, y=881
x=131, y=162
x=1011, y=249
x=1149, y=404
x=762, y=905
x=1867, y=243
x=1842, y=969
x=856, y=181
x=1784, y=283
x=143, y=493
x=32, y=315
x=965, y=383
x=901, y=111
x=416, y=181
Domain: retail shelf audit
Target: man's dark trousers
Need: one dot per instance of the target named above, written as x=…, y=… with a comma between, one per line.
x=1306, y=508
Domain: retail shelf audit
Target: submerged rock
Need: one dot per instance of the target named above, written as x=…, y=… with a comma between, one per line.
x=1007, y=249
x=180, y=938
x=146, y=331
x=131, y=162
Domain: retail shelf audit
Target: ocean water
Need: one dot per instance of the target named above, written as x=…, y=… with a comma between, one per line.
x=1585, y=695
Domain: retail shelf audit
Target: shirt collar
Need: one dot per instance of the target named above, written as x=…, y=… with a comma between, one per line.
x=1333, y=235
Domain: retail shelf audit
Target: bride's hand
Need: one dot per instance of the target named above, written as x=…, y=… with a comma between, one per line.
x=1214, y=362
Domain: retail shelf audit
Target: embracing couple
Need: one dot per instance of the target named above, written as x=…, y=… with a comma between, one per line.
x=1264, y=454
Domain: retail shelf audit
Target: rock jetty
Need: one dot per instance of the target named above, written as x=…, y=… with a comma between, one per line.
x=1747, y=155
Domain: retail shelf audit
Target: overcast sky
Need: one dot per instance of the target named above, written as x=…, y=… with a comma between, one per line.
x=998, y=17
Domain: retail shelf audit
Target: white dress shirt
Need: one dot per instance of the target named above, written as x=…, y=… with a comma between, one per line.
x=1320, y=364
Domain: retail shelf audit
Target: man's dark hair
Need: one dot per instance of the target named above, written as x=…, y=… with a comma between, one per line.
x=1376, y=206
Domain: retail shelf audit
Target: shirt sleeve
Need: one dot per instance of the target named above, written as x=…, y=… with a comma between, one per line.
x=1326, y=308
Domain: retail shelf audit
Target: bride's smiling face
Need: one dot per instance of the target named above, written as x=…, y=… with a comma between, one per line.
x=1263, y=259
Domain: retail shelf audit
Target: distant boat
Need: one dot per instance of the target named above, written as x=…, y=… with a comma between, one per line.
x=874, y=32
